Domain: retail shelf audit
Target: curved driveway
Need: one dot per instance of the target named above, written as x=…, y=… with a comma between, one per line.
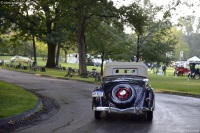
x=173, y=114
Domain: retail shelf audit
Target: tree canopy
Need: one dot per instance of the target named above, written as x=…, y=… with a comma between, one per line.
x=95, y=27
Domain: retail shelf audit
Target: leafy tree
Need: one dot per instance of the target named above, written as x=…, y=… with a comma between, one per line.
x=83, y=11
x=193, y=42
x=43, y=22
x=142, y=18
x=12, y=44
x=109, y=42
x=187, y=24
x=41, y=49
x=15, y=21
x=50, y=19
x=4, y=43
x=181, y=45
x=155, y=49
x=189, y=36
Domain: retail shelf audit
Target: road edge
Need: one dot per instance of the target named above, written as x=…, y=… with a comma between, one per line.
x=178, y=93
x=17, y=118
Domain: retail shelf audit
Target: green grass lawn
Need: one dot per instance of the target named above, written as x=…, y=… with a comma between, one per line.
x=15, y=100
x=175, y=84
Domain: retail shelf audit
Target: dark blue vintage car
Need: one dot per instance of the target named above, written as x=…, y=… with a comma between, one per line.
x=194, y=72
x=124, y=88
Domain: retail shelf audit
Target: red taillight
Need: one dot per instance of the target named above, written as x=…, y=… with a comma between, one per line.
x=97, y=99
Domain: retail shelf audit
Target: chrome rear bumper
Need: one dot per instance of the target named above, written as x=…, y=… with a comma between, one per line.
x=132, y=109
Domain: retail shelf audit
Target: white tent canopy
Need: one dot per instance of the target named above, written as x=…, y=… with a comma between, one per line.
x=194, y=60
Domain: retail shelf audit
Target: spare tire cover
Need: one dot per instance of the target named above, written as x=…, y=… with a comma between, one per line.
x=122, y=94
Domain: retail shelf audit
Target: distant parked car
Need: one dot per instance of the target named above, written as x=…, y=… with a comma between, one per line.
x=20, y=59
x=179, y=71
x=124, y=89
x=194, y=73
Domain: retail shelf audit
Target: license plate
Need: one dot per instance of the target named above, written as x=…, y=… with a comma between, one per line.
x=97, y=94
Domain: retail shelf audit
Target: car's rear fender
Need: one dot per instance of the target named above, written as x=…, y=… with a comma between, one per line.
x=148, y=100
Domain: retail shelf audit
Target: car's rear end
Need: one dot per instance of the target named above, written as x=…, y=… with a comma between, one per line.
x=124, y=88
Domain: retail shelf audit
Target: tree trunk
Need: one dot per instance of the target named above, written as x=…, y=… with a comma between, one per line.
x=66, y=56
x=82, y=56
x=138, y=49
x=34, y=49
x=51, y=46
x=57, y=56
x=51, y=55
x=102, y=60
x=81, y=49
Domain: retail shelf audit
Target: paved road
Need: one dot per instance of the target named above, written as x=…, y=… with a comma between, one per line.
x=173, y=114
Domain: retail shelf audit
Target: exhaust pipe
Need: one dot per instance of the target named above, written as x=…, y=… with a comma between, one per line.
x=148, y=99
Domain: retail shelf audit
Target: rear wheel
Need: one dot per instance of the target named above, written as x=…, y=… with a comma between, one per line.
x=189, y=76
x=197, y=76
x=97, y=115
x=149, y=115
x=180, y=73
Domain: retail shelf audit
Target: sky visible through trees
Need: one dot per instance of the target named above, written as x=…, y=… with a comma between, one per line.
x=182, y=10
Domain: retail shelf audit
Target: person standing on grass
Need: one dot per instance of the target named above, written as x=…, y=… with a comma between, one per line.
x=164, y=69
